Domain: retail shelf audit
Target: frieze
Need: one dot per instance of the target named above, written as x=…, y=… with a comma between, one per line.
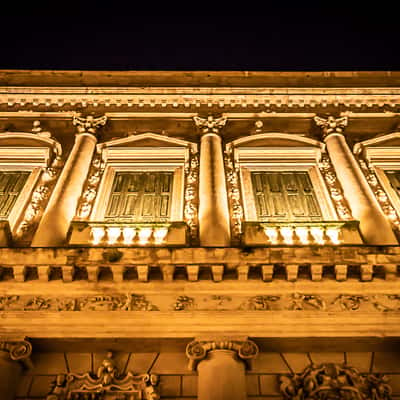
x=334, y=382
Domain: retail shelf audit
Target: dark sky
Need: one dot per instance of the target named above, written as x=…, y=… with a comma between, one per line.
x=278, y=37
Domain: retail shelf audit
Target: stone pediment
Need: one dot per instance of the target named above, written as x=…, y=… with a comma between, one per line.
x=380, y=149
x=27, y=139
x=276, y=139
x=148, y=139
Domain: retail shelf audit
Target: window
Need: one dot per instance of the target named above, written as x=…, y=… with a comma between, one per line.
x=140, y=197
x=285, y=195
x=11, y=184
x=394, y=179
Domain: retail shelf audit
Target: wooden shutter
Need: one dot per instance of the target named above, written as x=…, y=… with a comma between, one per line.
x=285, y=196
x=11, y=184
x=141, y=196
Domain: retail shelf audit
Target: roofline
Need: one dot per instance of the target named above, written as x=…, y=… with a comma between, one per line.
x=80, y=78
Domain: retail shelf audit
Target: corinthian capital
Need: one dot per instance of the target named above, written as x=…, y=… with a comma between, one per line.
x=197, y=351
x=18, y=350
x=331, y=124
x=210, y=124
x=89, y=124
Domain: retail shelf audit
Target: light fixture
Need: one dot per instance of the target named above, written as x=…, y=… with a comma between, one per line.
x=97, y=234
x=302, y=233
x=333, y=234
x=160, y=234
x=287, y=233
x=272, y=234
x=144, y=234
x=318, y=234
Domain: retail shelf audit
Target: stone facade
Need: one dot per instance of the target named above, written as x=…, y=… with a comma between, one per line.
x=199, y=235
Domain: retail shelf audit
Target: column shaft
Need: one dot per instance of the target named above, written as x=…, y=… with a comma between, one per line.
x=54, y=225
x=374, y=226
x=10, y=373
x=213, y=201
x=221, y=377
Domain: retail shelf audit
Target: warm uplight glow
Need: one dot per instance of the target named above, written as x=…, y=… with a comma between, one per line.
x=318, y=234
x=144, y=235
x=160, y=234
x=113, y=234
x=333, y=234
x=97, y=234
x=128, y=235
x=287, y=233
x=302, y=233
x=272, y=234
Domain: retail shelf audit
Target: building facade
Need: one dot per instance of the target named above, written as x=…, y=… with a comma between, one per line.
x=199, y=235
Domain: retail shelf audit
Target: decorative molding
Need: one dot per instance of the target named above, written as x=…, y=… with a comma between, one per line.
x=107, y=383
x=335, y=190
x=234, y=195
x=197, y=351
x=380, y=193
x=331, y=124
x=210, y=124
x=89, y=124
x=191, y=196
x=334, y=382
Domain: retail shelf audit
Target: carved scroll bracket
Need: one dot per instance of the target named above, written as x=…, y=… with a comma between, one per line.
x=18, y=351
x=197, y=351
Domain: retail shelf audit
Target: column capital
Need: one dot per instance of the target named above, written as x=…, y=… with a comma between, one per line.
x=331, y=125
x=197, y=350
x=210, y=124
x=20, y=350
x=89, y=124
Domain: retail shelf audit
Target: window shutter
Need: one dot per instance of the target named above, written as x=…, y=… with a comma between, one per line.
x=285, y=196
x=140, y=196
x=11, y=184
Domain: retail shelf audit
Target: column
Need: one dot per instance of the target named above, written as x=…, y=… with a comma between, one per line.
x=12, y=354
x=374, y=226
x=214, y=226
x=221, y=367
x=60, y=211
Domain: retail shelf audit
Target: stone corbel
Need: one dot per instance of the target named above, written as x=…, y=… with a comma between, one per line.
x=19, y=351
x=197, y=350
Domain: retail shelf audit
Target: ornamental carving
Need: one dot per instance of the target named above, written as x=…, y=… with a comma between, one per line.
x=38, y=200
x=18, y=351
x=90, y=188
x=334, y=188
x=350, y=302
x=210, y=124
x=300, y=301
x=196, y=351
x=331, y=124
x=380, y=194
x=259, y=303
x=89, y=124
x=108, y=383
x=190, y=210
x=334, y=382
x=234, y=197
x=184, y=303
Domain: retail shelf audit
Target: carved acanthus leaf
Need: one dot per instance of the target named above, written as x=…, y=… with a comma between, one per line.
x=89, y=124
x=331, y=124
x=210, y=124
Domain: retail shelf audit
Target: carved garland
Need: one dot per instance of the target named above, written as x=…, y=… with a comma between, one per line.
x=191, y=194
x=334, y=187
x=235, y=201
x=106, y=383
x=380, y=194
x=90, y=188
x=334, y=382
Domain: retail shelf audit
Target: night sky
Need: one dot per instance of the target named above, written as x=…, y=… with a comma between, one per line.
x=280, y=37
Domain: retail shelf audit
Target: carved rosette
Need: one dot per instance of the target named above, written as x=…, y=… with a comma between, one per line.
x=234, y=196
x=90, y=188
x=197, y=351
x=38, y=201
x=334, y=382
x=380, y=194
x=210, y=124
x=89, y=124
x=331, y=125
x=334, y=188
x=190, y=210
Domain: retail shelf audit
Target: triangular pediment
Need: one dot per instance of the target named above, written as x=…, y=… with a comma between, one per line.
x=276, y=139
x=148, y=139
